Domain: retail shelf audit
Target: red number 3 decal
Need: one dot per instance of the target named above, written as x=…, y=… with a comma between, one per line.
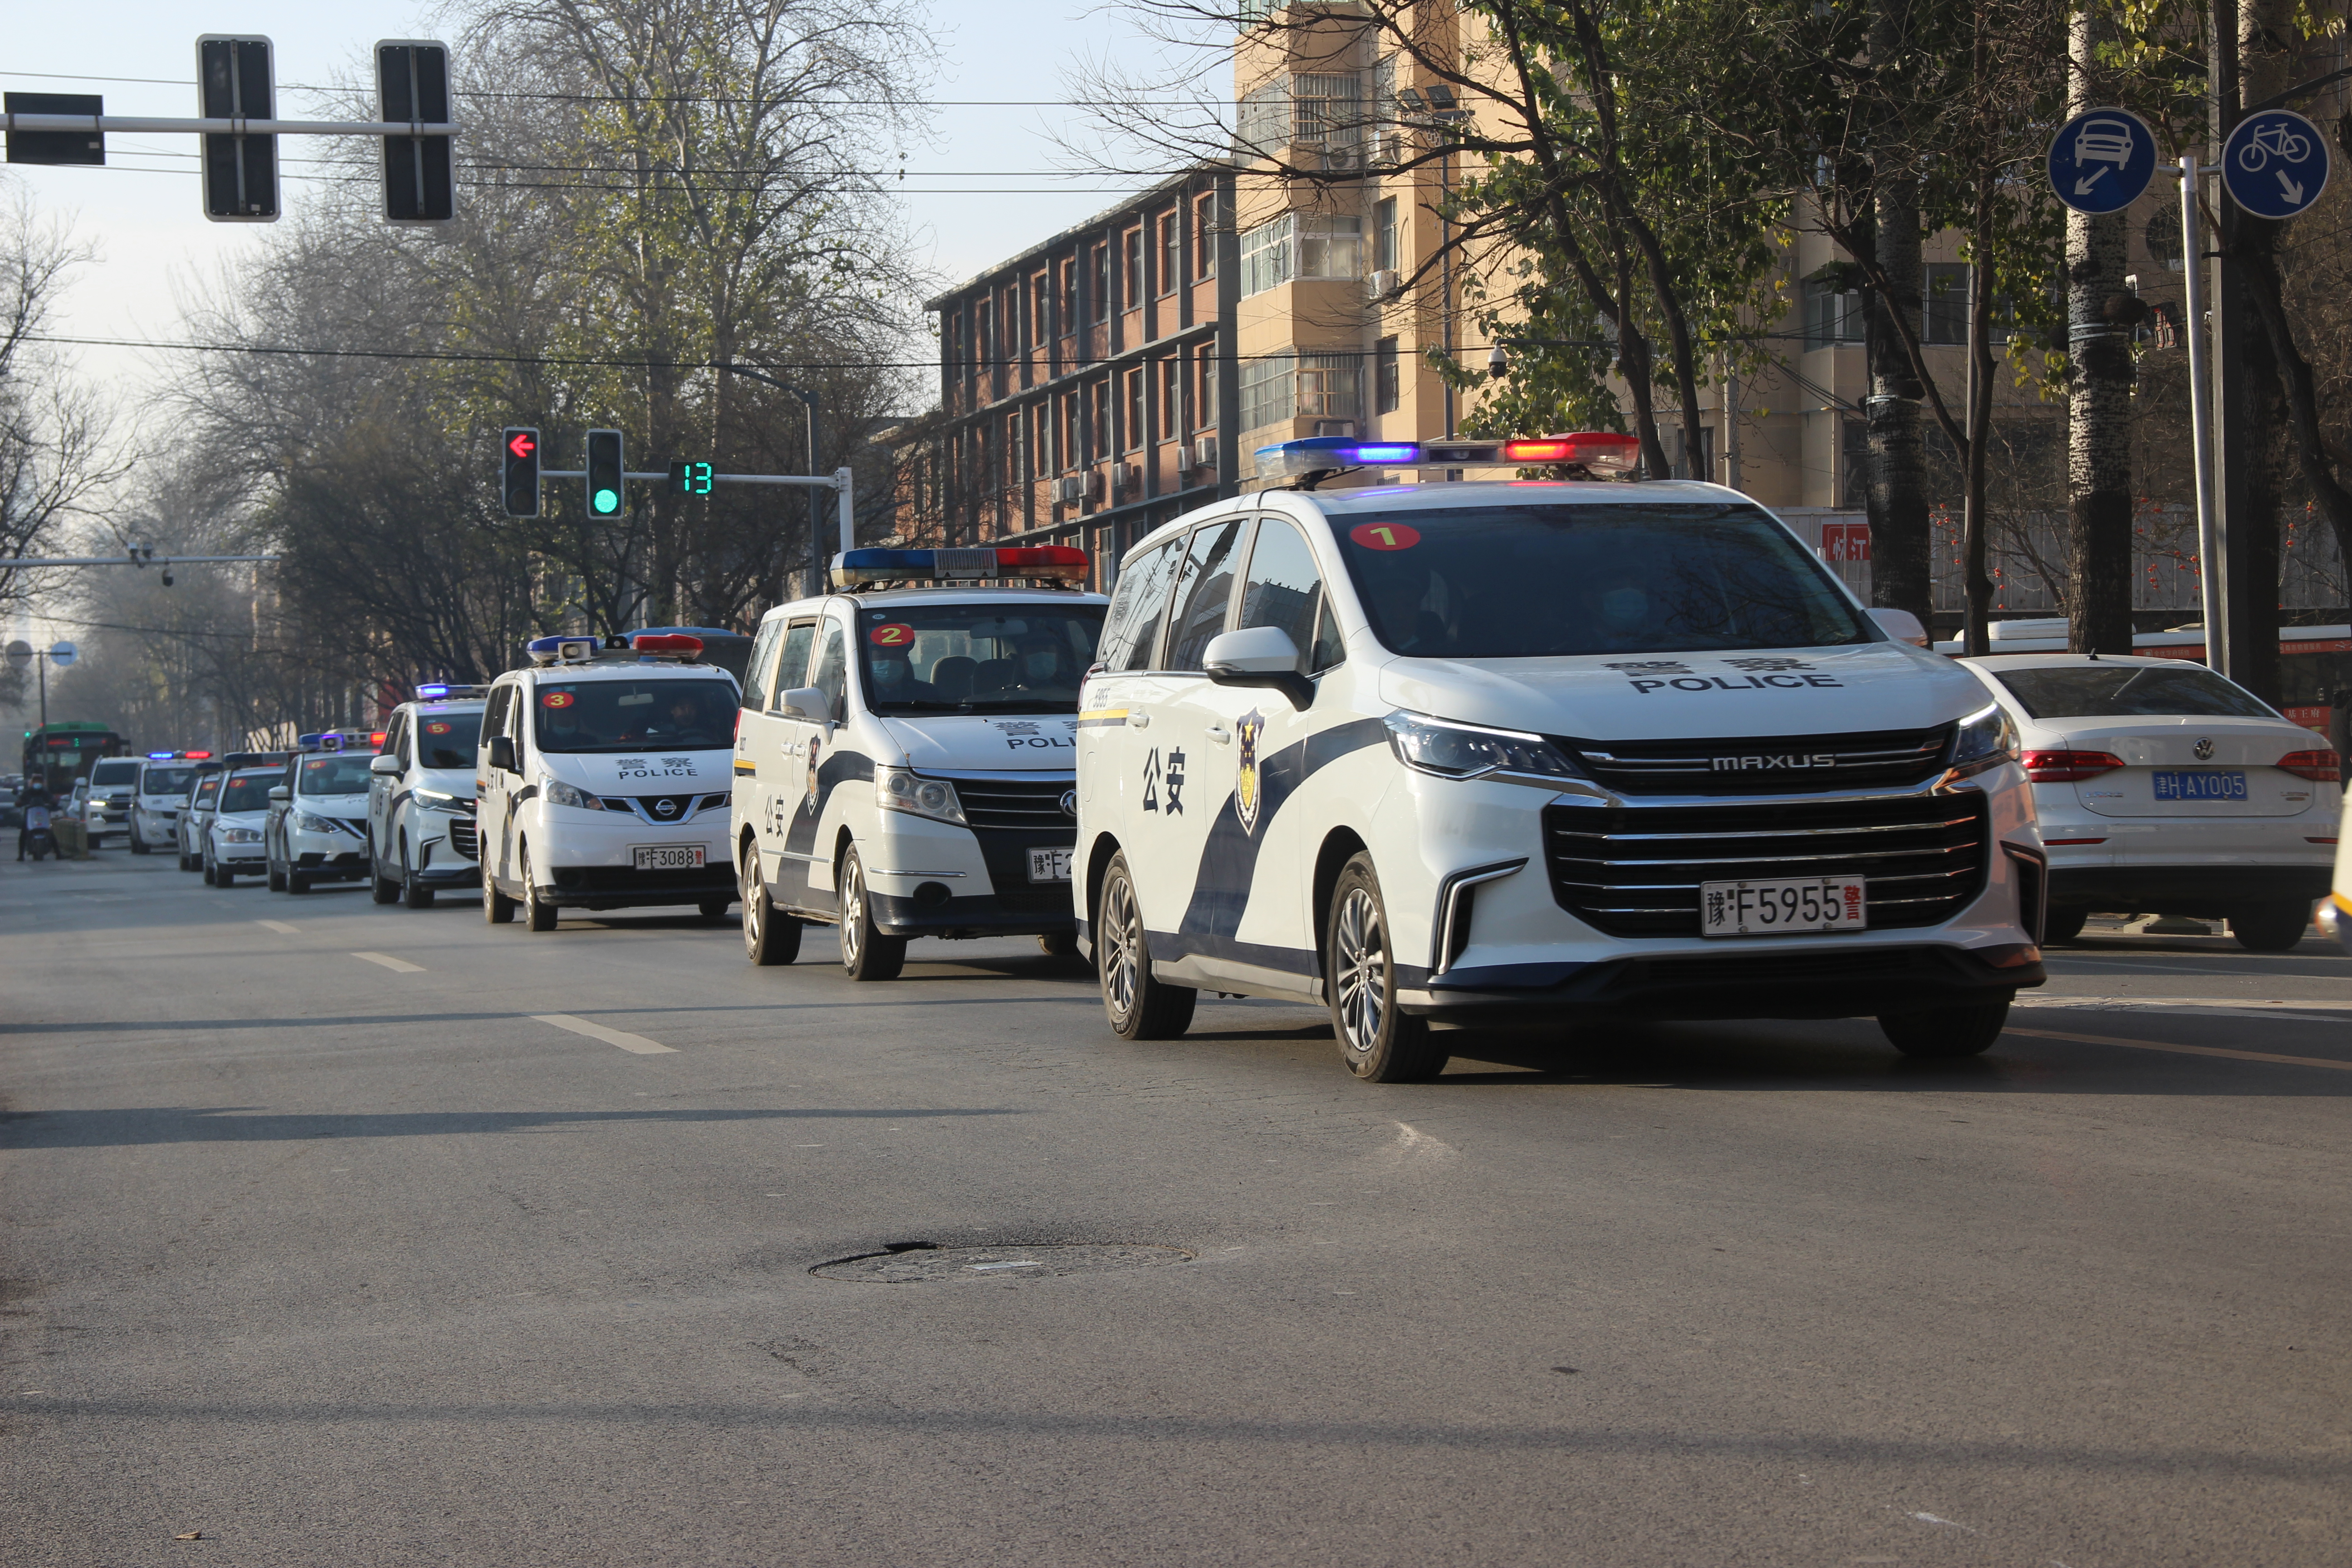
x=1385, y=535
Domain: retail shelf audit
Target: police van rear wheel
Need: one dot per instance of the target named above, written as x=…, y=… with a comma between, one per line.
x=497, y=908
x=1139, y=1008
x=1379, y=1041
x=866, y=953
x=770, y=936
x=138, y=846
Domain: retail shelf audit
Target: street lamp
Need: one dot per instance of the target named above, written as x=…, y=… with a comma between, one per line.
x=61, y=653
x=808, y=403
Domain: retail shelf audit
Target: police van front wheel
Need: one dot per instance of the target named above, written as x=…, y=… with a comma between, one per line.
x=1379, y=1041
x=1946, y=1033
x=866, y=953
x=538, y=914
x=1141, y=1007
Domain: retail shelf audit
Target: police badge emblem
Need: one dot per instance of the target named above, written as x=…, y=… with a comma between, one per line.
x=1247, y=790
x=816, y=756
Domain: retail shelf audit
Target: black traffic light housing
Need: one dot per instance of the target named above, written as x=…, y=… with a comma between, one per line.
x=412, y=83
x=690, y=478
x=520, y=471
x=234, y=82
x=607, y=495
x=57, y=146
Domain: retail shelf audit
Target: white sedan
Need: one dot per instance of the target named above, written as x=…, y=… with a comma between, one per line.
x=2163, y=788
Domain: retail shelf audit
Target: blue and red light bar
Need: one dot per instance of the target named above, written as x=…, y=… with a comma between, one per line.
x=161, y=756
x=1061, y=562
x=1600, y=451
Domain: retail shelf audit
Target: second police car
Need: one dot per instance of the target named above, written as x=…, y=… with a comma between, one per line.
x=421, y=826
x=903, y=767
x=317, y=830
x=1443, y=753
x=601, y=779
x=165, y=782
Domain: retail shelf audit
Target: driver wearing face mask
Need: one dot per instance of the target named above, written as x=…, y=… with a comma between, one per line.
x=894, y=679
x=1040, y=664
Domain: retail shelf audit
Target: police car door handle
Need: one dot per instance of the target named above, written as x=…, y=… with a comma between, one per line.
x=1139, y=721
x=1220, y=734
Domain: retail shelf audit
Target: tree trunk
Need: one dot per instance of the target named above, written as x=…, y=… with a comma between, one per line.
x=1900, y=576
x=2098, y=401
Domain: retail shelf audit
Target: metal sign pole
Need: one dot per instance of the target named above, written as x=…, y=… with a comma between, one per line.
x=2201, y=410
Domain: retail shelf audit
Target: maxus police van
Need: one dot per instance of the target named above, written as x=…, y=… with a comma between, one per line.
x=317, y=830
x=1442, y=755
x=601, y=779
x=903, y=767
x=420, y=810
x=165, y=781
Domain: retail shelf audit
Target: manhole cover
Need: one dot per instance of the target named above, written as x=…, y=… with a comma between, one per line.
x=910, y=1265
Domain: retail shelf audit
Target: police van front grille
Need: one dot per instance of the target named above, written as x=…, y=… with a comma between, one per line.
x=466, y=837
x=1014, y=803
x=1764, y=765
x=1636, y=870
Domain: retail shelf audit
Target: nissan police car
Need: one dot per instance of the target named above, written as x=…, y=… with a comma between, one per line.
x=194, y=817
x=234, y=829
x=165, y=779
x=903, y=767
x=421, y=830
x=1440, y=754
x=601, y=779
x=317, y=830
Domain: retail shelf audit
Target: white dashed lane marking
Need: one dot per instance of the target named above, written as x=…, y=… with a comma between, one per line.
x=280, y=927
x=2185, y=1050
x=637, y=1044
x=397, y=965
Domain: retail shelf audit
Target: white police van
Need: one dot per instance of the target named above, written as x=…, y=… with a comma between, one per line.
x=602, y=780
x=165, y=780
x=420, y=813
x=903, y=767
x=1446, y=753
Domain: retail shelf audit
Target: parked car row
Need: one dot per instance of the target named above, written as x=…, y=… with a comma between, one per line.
x=1431, y=756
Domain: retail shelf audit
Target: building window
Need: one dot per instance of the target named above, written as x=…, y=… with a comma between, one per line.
x=1101, y=301
x=1328, y=111
x=1388, y=372
x=1131, y=285
x=1831, y=317
x=1069, y=298
x=1204, y=238
x=1853, y=462
x=1301, y=245
x=1945, y=302
x=1384, y=235
x=1172, y=254
x=1171, y=383
x=1098, y=420
x=1136, y=430
x=1328, y=387
x=1204, y=404
x=1262, y=121
x=1266, y=390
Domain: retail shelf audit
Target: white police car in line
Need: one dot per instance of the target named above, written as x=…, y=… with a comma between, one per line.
x=160, y=795
x=232, y=831
x=193, y=818
x=317, y=830
x=602, y=780
x=421, y=829
x=1447, y=753
x=903, y=766
x=106, y=798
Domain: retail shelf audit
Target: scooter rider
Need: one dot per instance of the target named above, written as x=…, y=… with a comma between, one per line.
x=32, y=798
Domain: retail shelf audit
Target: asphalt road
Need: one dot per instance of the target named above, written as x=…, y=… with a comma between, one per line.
x=319, y=1242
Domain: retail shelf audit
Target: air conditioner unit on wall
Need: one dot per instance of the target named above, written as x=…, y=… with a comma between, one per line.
x=1382, y=282
x=1070, y=488
x=1204, y=453
x=1127, y=477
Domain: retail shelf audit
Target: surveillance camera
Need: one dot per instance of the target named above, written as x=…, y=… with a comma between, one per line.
x=1497, y=362
x=167, y=579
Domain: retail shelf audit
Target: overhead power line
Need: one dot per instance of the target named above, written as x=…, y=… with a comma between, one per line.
x=671, y=97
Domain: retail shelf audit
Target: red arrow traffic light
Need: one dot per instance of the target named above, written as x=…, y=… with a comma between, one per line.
x=520, y=472
x=523, y=444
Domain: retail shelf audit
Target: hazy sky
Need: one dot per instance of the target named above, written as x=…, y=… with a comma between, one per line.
x=978, y=194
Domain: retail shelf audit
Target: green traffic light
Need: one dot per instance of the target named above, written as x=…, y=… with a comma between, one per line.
x=608, y=500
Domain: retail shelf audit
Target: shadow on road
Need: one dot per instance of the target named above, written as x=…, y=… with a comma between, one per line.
x=124, y=1128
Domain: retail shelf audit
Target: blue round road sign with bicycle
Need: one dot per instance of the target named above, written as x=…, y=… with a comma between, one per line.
x=2275, y=163
x=2102, y=160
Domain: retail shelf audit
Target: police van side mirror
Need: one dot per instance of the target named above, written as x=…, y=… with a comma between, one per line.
x=502, y=755
x=1902, y=625
x=808, y=702
x=280, y=795
x=1259, y=656
x=388, y=766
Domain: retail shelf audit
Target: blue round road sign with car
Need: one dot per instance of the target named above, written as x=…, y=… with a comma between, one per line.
x=2102, y=160
x=2275, y=163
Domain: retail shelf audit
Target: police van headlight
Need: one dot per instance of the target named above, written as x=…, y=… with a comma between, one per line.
x=895, y=789
x=1987, y=738
x=555, y=792
x=439, y=800
x=240, y=836
x=309, y=824
x=1464, y=752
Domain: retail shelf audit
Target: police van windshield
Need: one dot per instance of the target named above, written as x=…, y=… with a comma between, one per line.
x=447, y=740
x=977, y=658
x=345, y=773
x=109, y=776
x=166, y=781
x=683, y=711
x=1527, y=582
x=247, y=793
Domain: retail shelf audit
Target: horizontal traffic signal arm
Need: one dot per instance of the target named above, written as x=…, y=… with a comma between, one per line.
x=230, y=127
